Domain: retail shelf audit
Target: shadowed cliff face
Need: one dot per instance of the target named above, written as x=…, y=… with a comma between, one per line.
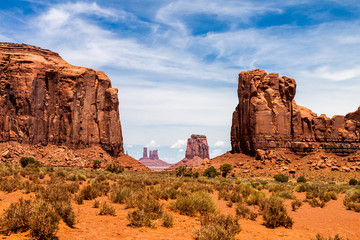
x=45, y=100
x=267, y=117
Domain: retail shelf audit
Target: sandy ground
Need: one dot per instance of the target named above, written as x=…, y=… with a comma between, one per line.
x=308, y=221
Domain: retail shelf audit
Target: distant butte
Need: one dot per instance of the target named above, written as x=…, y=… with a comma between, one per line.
x=153, y=162
x=197, y=151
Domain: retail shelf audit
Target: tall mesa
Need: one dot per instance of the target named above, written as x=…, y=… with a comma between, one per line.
x=267, y=117
x=45, y=100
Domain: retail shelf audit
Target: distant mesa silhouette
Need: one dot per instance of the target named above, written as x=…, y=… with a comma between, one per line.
x=152, y=161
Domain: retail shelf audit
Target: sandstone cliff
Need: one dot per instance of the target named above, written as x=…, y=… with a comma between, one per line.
x=197, y=151
x=267, y=117
x=44, y=100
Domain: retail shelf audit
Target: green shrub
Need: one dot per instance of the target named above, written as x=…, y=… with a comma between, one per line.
x=275, y=215
x=353, y=181
x=119, y=193
x=301, y=179
x=281, y=178
x=226, y=169
x=114, y=168
x=107, y=209
x=217, y=227
x=198, y=202
x=96, y=164
x=24, y=161
x=138, y=218
x=211, y=172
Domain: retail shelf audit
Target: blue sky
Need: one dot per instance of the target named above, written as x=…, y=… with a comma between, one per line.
x=175, y=63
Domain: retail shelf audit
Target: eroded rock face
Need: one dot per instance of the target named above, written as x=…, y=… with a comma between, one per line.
x=44, y=100
x=197, y=146
x=267, y=117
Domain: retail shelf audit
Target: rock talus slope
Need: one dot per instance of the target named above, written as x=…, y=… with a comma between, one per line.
x=267, y=117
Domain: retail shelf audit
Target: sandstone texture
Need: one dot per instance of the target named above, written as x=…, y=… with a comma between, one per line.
x=44, y=100
x=197, y=151
x=153, y=162
x=267, y=117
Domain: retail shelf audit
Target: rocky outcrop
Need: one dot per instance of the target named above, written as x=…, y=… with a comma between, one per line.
x=197, y=151
x=267, y=117
x=44, y=100
x=197, y=146
x=153, y=162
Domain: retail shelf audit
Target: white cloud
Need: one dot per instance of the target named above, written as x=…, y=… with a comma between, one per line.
x=152, y=143
x=130, y=146
x=181, y=150
x=179, y=144
x=216, y=152
x=219, y=144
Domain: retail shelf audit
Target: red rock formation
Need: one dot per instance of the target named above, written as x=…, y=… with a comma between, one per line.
x=44, y=100
x=267, y=117
x=153, y=162
x=197, y=151
x=197, y=146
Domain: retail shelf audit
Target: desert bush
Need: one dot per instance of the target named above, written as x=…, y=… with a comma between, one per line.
x=211, y=172
x=107, y=209
x=226, y=169
x=39, y=217
x=180, y=171
x=353, y=181
x=16, y=217
x=296, y=204
x=168, y=220
x=255, y=198
x=285, y=195
x=301, y=179
x=275, y=215
x=242, y=211
x=234, y=197
x=79, y=198
x=336, y=237
x=9, y=184
x=198, y=202
x=114, y=168
x=138, y=218
x=96, y=164
x=281, y=177
x=96, y=204
x=43, y=222
x=119, y=194
x=217, y=227
x=316, y=203
x=352, y=200
x=25, y=161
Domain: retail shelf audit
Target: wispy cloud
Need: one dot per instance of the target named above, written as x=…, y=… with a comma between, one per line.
x=179, y=144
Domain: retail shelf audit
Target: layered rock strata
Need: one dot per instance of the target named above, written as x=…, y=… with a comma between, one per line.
x=267, y=117
x=153, y=162
x=45, y=100
x=197, y=150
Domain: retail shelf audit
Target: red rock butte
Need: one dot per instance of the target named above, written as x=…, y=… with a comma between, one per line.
x=267, y=117
x=45, y=100
x=197, y=150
